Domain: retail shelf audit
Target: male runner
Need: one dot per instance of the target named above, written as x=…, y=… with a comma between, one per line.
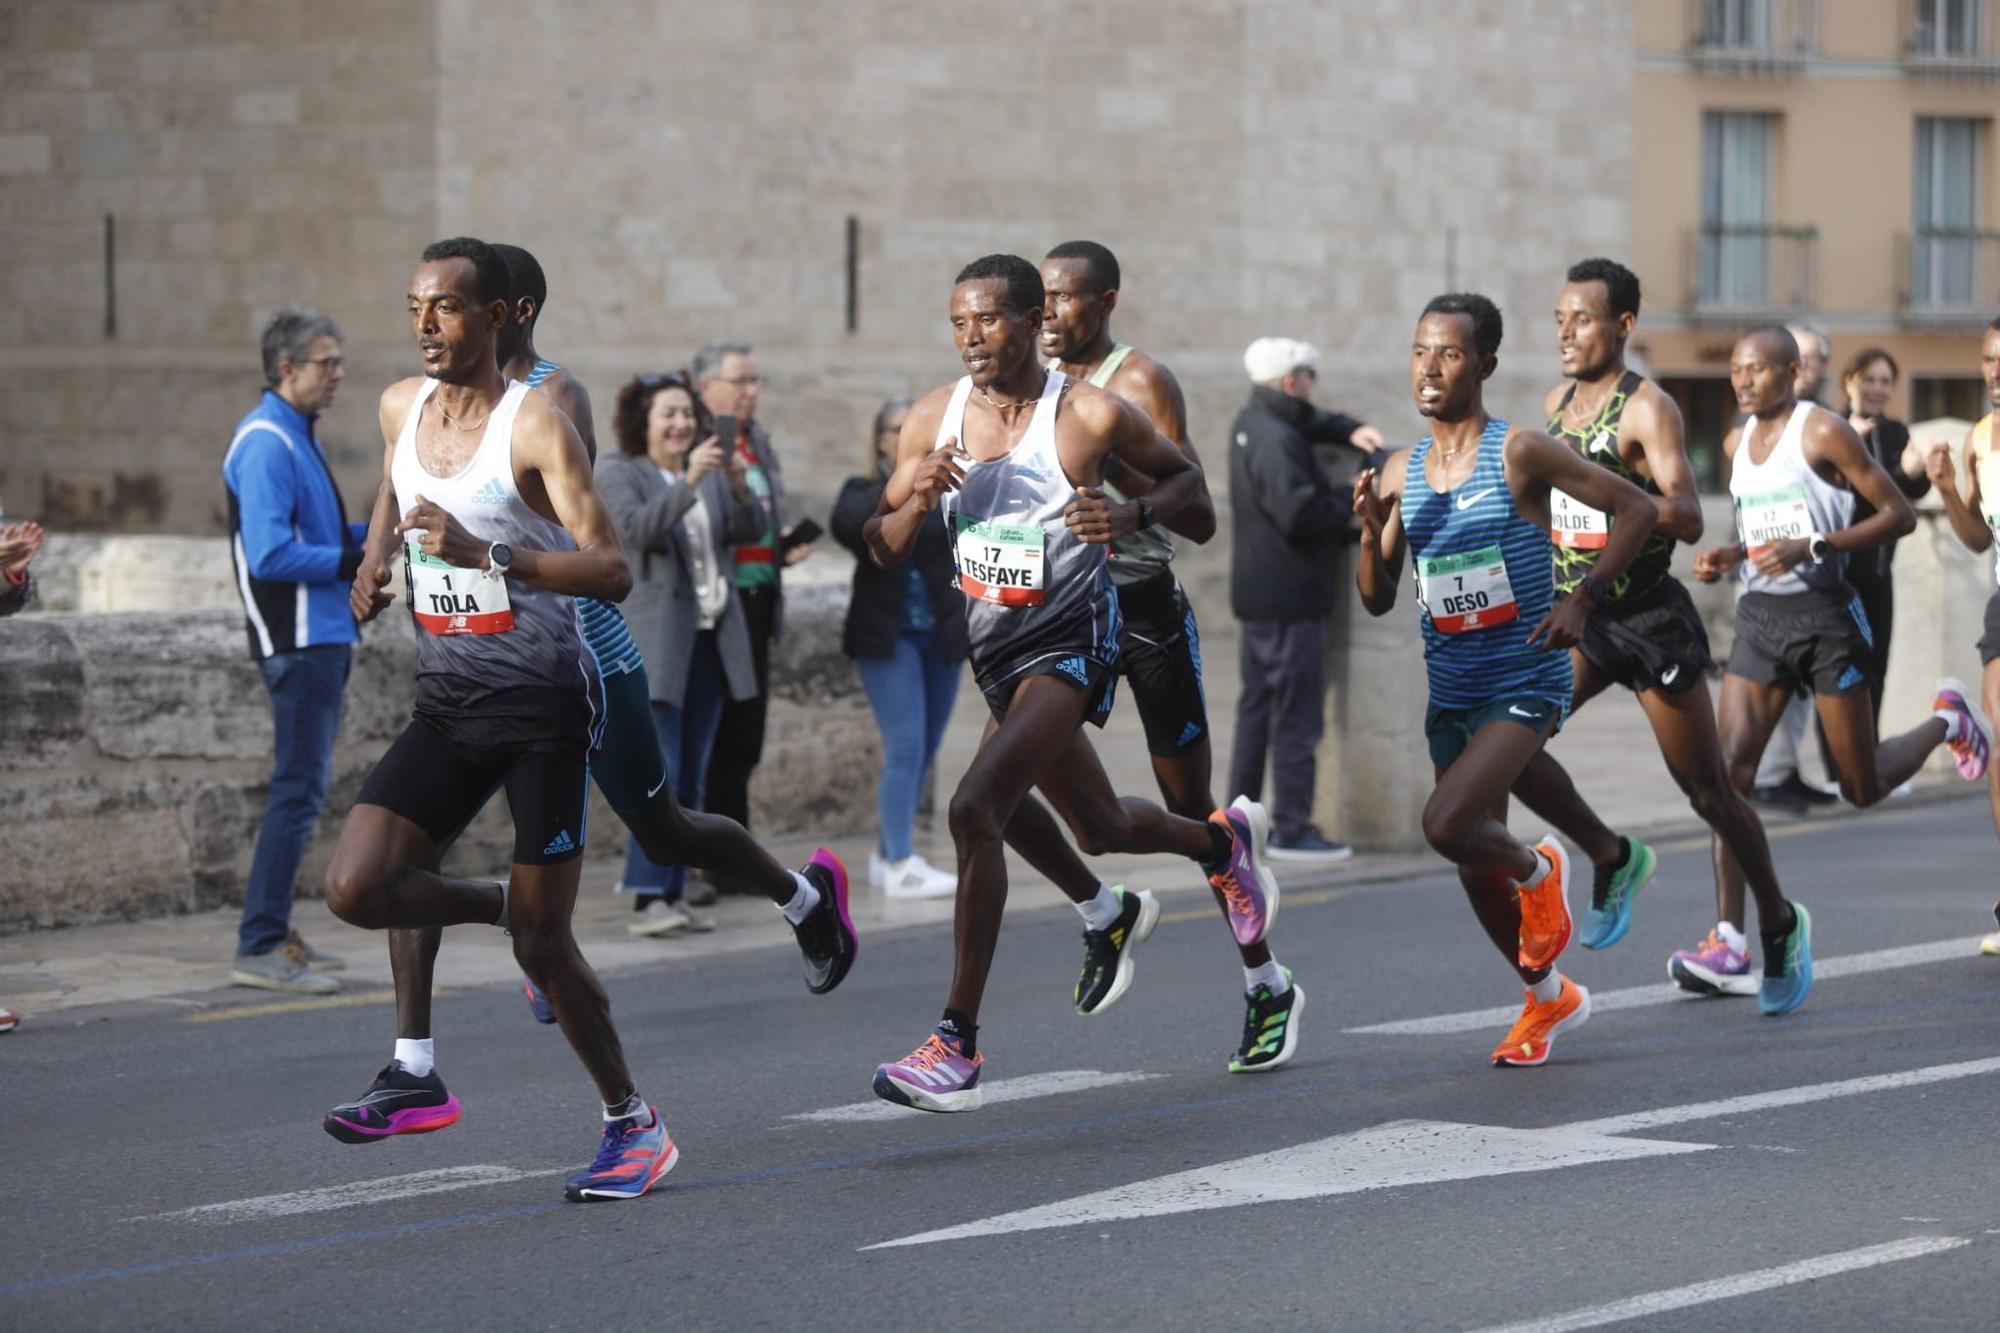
x=1975, y=516
x=1159, y=653
x=1795, y=470
x=1471, y=502
x=1647, y=636
x=1005, y=452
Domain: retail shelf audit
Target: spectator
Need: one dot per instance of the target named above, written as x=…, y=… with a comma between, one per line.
x=679, y=506
x=1868, y=381
x=18, y=544
x=1289, y=521
x=295, y=555
x=730, y=382
x=906, y=633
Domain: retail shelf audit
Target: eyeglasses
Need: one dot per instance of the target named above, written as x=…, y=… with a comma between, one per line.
x=740, y=381
x=332, y=363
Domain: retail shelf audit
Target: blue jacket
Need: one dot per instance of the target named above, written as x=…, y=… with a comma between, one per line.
x=294, y=550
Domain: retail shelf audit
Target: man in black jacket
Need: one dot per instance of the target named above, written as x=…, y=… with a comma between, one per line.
x=1288, y=522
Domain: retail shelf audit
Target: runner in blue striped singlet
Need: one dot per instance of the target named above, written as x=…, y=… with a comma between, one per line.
x=1471, y=505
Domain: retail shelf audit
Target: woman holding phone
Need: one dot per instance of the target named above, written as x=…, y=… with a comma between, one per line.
x=679, y=502
x=906, y=633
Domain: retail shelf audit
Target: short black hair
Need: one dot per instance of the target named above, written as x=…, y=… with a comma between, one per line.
x=1098, y=260
x=1024, y=281
x=1485, y=317
x=489, y=270
x=1995, y=325
x=524, y=276
x=1774, y=338
x=1621, y=284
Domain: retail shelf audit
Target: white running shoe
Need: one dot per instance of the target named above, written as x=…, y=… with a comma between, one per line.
x=914, y=877
x=662, y=918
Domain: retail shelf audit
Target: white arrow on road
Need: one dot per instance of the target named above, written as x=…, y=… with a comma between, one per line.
x=1418, y=1152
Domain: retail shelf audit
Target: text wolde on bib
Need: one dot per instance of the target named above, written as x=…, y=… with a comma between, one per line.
x=1772, y=517
x=1466, y=591
x=450, y=600
x=1575, y=524
x=998, y=562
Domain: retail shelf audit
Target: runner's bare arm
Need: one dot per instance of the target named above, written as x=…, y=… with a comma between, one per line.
x=366, y=596
x=1656, y=420
x=569, y=395
x=1150, y=385
x=1535, y=465
x=918, y=484
x=1829, y=439
x=1962, y=508
x=1712, y=562
x=1131, y=438
x=1378, y=503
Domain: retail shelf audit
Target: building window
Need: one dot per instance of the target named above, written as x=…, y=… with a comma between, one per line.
x=1946, y=29
x=1708, y=410
x=1735, y=243
x=1931, y=397
x=1947, y=250
x=1736, y=25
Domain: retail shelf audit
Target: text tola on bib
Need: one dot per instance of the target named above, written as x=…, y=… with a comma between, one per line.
x=448, y=600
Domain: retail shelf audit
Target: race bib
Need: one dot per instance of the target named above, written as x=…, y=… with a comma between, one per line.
x=1775, y=516
x=1574, y=524
x=448, y=600
x=1467, y=591
x=998, y=562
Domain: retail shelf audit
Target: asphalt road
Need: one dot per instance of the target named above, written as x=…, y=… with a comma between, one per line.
x=165, y=1171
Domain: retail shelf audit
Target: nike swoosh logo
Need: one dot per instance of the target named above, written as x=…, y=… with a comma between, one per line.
x=656, y=788
x=1667, y=677
x=1517, y=711
x=1467, y=501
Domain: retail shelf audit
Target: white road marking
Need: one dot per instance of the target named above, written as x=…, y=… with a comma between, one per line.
x=1665, y=992
x=1742, y=1284
x=1053, y=1084
x=1418, y=1152
x=351, y=1195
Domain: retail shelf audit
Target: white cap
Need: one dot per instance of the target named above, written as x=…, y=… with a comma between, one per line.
x=1269, y=360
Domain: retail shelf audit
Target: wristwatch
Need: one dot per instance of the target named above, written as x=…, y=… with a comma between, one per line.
x=1595, y=589
x=1146, y=519
x=500, y=557
x=1818, y=548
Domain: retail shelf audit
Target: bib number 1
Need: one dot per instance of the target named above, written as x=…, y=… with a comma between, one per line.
x=449, y=600
x=1466, y=592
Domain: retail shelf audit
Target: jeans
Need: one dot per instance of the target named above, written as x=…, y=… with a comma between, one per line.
x=1281, y=712
x=911, y=692
x=687, y=734
x=306, y=686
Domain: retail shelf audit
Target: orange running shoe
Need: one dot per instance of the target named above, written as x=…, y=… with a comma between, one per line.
x=1545, y=919
x=1529, y=1041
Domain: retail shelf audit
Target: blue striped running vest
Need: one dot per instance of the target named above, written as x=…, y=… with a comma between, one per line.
x=604, y=631
x=1484, y=581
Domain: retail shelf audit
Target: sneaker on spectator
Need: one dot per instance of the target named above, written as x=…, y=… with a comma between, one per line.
x=317, y=959
x=700, y=892
x=662, y=918
x=914, y=877
x=1311, y=845
x=282, y=969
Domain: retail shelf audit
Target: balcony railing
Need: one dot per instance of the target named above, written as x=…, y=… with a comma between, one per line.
x=1950, y=275
x=1752, y=36
x=1952, y=39
x=1745, y=272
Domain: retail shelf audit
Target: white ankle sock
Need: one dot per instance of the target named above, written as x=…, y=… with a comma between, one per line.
x=632, y=1108
x=804, y=899
x=1270, y=974
x=501, y=921
x=1954, y=723
x=1548, y=987
x=1732, y=937
x=1101, y=911
x=416, y=1054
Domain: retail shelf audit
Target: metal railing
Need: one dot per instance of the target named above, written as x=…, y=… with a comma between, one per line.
x=1738, y=272
x=1752, y=35
x=1949, y=275
x=1951, y=38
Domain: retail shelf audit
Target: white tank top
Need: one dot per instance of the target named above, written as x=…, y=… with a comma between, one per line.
x=1986, y=466
x=1034, y=590
x=1782, y=497
x=474, y=624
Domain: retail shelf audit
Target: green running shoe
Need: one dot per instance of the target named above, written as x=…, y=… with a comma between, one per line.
x=1611, y=893
x=1270, y=1029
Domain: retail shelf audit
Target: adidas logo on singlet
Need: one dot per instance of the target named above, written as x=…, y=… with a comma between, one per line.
x=559, y=844
x=492, y=493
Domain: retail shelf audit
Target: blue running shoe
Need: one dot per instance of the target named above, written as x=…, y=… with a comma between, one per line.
x=538, y=1003
x=1609, y=915
x=630, y=1160
x=1787, y=966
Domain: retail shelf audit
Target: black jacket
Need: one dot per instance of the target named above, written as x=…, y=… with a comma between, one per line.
x=1288, y=518
x=1885, y=443
x=875, y=606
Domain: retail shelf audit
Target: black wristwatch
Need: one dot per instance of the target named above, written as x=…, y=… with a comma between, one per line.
x=1594, y=588
x=1146, y=518
x=1818, y=548
x=501, y=557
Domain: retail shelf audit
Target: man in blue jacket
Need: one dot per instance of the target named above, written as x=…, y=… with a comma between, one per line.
x=295, y=554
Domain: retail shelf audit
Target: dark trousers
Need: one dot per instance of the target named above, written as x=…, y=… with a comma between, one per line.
x=1281, y=713
x=306, y=686
x=686, y=734
x=739, y=740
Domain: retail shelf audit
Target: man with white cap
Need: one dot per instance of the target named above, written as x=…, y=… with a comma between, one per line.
x=1282, y=580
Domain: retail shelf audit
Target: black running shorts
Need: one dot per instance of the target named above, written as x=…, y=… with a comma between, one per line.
x=1811, y=640
x=1097, y=679
x=1159, y=653
x=438, y=774
x=1656, y=641
x=1989, y=638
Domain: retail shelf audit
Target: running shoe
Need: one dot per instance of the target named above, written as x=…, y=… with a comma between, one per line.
x=934, y=1077
x=826, y=937
x=1546, y=924
x=1270, y=1028
x=397, y=1102
x=538, y=1003
x=1787, y=966
x=1107, y=953
x=1612, y=890
x=1974, y=747
x=1534, y=1033
x=630, y=1160
x=1713, y=967
x=9, y=1020
x=1988, y=944
x=1249, y=890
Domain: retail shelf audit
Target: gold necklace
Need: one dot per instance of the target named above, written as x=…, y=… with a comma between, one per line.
x=455, y=426
x=999, y=406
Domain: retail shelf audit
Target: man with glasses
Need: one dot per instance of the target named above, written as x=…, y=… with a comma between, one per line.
x=295, y=554
x=1282, y=580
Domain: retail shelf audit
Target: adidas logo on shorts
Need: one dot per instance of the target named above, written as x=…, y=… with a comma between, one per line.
x=559, y=844
x=1074, y=668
